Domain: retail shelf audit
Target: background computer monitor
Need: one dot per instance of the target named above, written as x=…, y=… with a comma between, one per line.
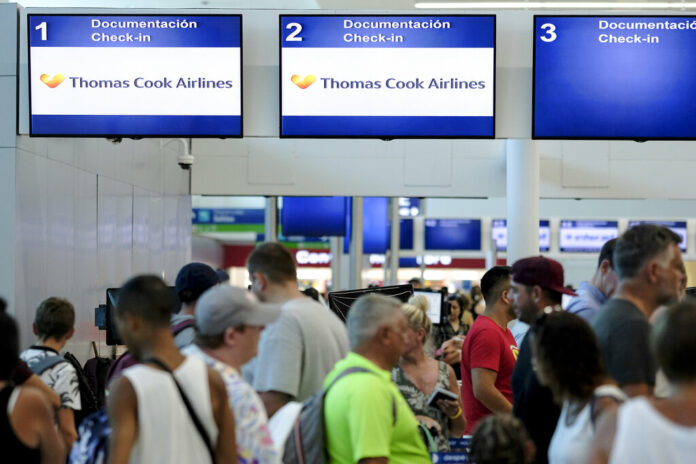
x=437, y=304
x=341, y=302
x=112, y=335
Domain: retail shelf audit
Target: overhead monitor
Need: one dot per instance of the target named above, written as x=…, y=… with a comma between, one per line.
x=452, y=234
x=341, y=302
x=678, y=227
x=587, y=236
x=614, y=77
x=377, y=227
x=500, y=235
x=104, y=75
x=436, y=304
x=314, y=216
x=379, y=76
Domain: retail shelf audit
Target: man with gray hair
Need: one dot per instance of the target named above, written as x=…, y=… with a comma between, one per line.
x=367, y=420
x=648, y=262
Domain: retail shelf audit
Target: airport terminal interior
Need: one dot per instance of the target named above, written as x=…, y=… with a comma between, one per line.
x=380, y=141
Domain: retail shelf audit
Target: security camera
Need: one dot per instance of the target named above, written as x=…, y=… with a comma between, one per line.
x=185, y=161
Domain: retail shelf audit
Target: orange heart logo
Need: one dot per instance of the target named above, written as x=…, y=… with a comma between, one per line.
x=52, y=82
x=303, y=83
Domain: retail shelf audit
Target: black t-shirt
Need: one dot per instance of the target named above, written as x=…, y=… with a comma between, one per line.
x=533, y=403
x=623, y=333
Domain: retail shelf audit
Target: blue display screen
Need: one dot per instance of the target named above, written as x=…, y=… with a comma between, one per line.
x=228, y=216
x=377, y=228
x=678, y=227
x=135, y=75
x=387, y=76
x=499, y=234
x=452, y=234
x=614, y=77
x=314, y=216
x=586, y=236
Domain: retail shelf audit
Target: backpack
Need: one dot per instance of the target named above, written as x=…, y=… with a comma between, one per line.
x=92, y=444
x=88, y=398
x=96, y=370
x=307, y=441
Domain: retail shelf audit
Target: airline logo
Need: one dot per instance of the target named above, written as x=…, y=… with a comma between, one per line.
x=303, y=82
x=52, y=82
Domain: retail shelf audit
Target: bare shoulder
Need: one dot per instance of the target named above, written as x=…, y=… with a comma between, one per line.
x=121, y=392
x=33, y=401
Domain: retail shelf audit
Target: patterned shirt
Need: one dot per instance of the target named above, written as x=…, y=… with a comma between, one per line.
x=254, y=442
x=62, y=377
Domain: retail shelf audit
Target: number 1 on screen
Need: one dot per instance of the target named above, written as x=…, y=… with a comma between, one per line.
x=42, y=27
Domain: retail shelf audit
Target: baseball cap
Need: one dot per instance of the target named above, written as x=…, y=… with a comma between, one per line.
x=225, y=306
x=196, y=278
x=544, y=272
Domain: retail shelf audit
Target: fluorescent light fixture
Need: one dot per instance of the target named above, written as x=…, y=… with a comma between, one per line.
x=557, y=5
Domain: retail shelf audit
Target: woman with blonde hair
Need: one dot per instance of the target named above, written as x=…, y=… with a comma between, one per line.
x=417, y=376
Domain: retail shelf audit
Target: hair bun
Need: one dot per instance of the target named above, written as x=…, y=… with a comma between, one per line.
x=421, y=302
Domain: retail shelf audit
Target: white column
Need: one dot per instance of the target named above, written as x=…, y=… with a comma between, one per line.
x=395, y=239
x=522, y=199
x=356, y=243
x=336, y=254
x=271, y=220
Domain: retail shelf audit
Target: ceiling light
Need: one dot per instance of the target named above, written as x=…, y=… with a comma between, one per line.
x=556, y=5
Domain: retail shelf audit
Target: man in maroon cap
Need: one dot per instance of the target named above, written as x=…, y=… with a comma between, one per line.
x=536, y=288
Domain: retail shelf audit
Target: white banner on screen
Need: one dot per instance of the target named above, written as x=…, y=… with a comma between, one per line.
x=448, y=66
x=588, y=238
x=195, y=66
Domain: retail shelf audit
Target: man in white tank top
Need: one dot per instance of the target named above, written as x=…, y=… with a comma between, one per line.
x=147, y=408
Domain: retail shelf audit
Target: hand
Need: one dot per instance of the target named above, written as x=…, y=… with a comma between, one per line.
x=452, y=350
x=449, y=407
x=429, y=423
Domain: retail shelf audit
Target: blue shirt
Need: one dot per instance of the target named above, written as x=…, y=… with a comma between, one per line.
x=588, y=301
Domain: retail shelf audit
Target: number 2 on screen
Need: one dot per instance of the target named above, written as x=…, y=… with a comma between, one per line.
x=550, y=32
x=293, y=35
x=42, y=27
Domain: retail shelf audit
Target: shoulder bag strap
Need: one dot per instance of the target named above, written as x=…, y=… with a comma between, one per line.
x=352, y=370
x=194, y=417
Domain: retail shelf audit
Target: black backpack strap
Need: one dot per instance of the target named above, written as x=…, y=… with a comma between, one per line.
x=46, y=363
x=194, y=417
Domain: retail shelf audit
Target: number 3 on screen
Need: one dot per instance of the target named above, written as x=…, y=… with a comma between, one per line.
x=550, y=32
x=293, y=37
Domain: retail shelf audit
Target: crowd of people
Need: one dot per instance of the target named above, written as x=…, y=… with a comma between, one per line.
x=610, y=378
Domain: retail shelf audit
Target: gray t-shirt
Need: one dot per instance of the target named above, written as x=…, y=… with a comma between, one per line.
x=623, y=333
x=298, y=350
x=185, y=335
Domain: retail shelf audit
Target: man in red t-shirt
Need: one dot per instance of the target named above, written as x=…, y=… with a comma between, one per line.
x=489, y=352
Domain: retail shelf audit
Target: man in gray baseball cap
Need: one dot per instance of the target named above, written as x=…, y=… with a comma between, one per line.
x=229, y=321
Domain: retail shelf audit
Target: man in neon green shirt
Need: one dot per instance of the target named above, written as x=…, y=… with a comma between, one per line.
x=367, y=419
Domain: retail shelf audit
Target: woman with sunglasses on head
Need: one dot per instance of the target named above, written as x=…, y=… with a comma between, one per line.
x=567, y=360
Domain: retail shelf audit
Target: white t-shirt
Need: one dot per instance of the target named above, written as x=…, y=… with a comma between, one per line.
x=644, y=436
x=62, y=377
x=572, y=444
x=298, y=350
x=166, y=432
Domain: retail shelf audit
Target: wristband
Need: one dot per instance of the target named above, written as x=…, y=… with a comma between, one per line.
x=459, y=413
